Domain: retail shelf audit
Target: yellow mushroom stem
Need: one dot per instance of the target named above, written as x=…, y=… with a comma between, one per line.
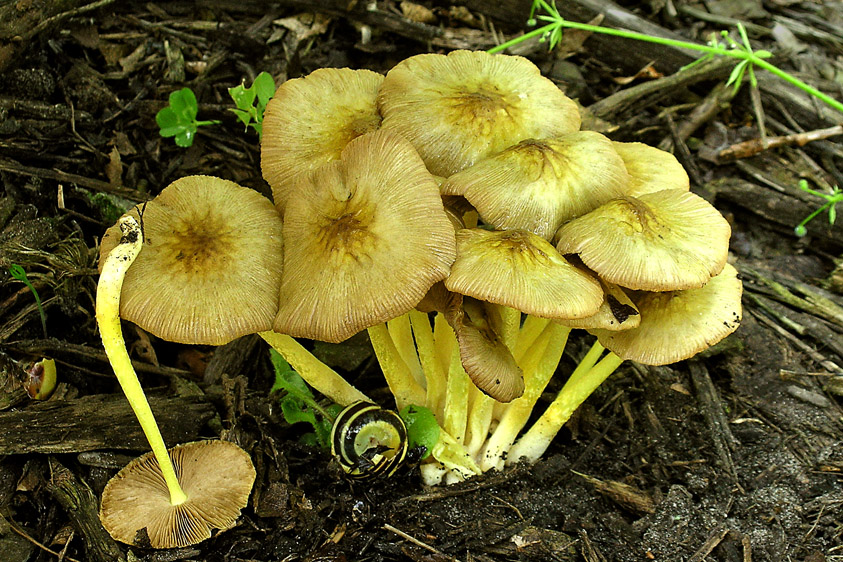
x=585, y=379
x=108, y=319
x=313, y=371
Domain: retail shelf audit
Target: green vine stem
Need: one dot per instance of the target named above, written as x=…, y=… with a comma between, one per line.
x=557, y=22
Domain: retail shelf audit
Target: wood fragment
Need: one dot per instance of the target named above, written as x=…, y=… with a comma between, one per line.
x=754, y=146
x=77, y=499
x=712, y=410
x=647, y=94
x=714, y=538
x=704, y=112
x=55, y=426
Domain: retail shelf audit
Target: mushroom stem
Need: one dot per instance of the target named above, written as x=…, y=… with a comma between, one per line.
x=433, y=370
x=401, y=331
x=313, y=371
x=108, y=319
x=539, y=364
x=582, y=383
x=399, y=376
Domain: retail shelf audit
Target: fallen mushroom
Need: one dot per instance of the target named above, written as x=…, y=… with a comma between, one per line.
x=136, y=507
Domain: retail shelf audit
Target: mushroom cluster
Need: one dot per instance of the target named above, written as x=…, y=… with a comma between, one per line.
x=455, y=210
x=537, y=228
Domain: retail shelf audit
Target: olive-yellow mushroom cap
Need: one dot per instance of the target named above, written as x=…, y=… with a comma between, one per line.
x=210, y=267
x=217, y=477
x=463, y=106
x=537, y=185
x=650, y=169
x=676, y=325
x=309, y=121
x=663, y=241
x=521, y=270
x=364, y=239
x=617, y=312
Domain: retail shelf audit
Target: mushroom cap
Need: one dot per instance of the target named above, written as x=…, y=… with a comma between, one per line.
x=309, y=121
x=484, y=356
x=217, y=477
x=210, y=266
x=676, y=325
x=617, y=312
x=539, y=184
x=663, y=241
x=521, y=270
x=365, y=238
x=463, y=106
x=650, y=169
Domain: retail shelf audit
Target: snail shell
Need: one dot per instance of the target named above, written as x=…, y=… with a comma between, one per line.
x=368, y=441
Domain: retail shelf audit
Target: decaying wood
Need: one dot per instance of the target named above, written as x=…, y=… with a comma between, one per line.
x=711, y=407
x=20, y=22
x=752, y=147
x=780, y=208
x=98, y=422
x=647, y=94
x=77, y=499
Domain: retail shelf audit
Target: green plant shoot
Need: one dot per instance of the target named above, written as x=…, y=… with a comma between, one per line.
x=18, y=273
x=551, y=32
x=422, y=427
x=251, y=102
x=831, y=201
x=178, y=119
x=299, y=404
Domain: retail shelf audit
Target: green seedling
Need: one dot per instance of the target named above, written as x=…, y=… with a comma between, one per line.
x=251, y=102
x=299, y=404
x=178, y=119
x=18, y=273
x=831, y=201
x=551, y=32
x=422, y=428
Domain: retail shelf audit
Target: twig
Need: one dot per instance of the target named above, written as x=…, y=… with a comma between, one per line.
x=754, y=146
x=46, y=549
x=417, y=542
x=716, y=536
x=64, y=15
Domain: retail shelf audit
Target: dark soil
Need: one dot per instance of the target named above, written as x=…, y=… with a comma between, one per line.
x=733, y=456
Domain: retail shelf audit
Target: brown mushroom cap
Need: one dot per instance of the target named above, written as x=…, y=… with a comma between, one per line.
x=365, y=238
x=676, y=325
x=217, y=477
x=310, y=120
x=521, y=270
x=663, y=241
x=650, y=169
x=210, y=266
x=484, y=356
x=460, y=107
x=537, y=185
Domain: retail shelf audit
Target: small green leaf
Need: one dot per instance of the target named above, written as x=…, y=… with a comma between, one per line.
x=422, y=427
x=242, y=116
x=184, y=103
x=167, y=118
x=184, y=138
x=264, y=86
x=243, y=97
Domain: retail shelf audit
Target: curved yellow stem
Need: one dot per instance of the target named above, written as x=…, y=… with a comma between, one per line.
x=313, y=371
x=108, y=319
